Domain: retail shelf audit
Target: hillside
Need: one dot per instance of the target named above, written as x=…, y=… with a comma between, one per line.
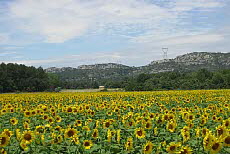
x=112, y=71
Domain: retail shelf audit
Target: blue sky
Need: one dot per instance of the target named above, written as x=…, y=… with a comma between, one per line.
x=59, y=33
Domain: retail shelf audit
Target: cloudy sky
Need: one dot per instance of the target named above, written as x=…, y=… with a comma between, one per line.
x=133, y=32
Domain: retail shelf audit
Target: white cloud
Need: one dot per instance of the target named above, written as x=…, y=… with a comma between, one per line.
x=6, y=53
x=185, y=5
x=61, y=20
x=11, y=47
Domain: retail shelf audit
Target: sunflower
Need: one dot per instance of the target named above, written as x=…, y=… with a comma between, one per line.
x=78, y=123
x=190, y=117
x=3, y=151
x=226, y=141
x=148, y=148
x=148, y=124
x=95, y=133
x=24, y=146
x=51, y=120
x=203, y=121
x=69, y=109
x=57, y=139
x=45, y=117
x=172, y=117
x=185, y=150
x=87, y=144
x=219, y=119
x=207, y=141
x=27, y=120
x=58, y=128
x=186, y=136
x=226, y=123
x=215, y=147
x=130, y=123
x=60, y=138
x=7, y=132
x=86, y=128
x=214, y=117
x=40, y=129
x=27, y=113
x=76, y=140
x=70, y=132
x=151, y=116
x=221, y=131
x=171, y=126
x=4, y=140
x=204, y=131
x=58, y=119
x=129, y=144
x=185, y=129
x=173, y=147
x=33, y=112
x=106, y=124
x=26, y=125
x=139, y=133
x=27, y=136
x=14, y=121
x=190, y=125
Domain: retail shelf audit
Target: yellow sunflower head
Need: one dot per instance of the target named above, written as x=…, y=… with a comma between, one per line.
x=172, y=147
x=148, y=148
x=226, y=123
x=95, y=133
x=171, y=126
x=207, y=141
x=148, y=124
x=139, y=133
x=70, y=132
x=226, y=141
x=129, y=144
x=4, y=140
x=28, y=136
x=185, y=150
x=87, y=144
x=14, y=121
x=221, y=131
x=7, y=132
x=78, y=123
x=40, y=129
x=215, y=147
x=3, y=151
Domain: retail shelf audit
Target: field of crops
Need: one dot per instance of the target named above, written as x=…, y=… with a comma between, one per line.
x=180, y=122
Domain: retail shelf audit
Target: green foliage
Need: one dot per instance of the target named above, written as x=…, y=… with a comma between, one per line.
x=15, y=78
x=201, y=79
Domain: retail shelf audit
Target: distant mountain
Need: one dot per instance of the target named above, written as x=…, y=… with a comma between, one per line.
x=188, y=62
x=104, y=66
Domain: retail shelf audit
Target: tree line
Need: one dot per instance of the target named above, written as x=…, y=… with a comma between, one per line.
x=21, y=78
x=201, y=79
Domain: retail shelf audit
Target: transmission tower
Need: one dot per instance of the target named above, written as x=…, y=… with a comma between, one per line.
x=165, y=53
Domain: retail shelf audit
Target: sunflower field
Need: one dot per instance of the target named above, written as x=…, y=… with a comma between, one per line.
x=175, y=122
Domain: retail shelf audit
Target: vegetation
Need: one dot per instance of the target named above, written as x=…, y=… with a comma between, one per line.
x=202, y=79
x=21, y=78
x=174, y=122
x=14, y=77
